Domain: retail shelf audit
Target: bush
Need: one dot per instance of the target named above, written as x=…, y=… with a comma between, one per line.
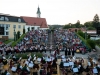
x=81, y=34
x=91, y=43
x=23, y=30
x=15, y=42
x=24, y=55
x=84, y=42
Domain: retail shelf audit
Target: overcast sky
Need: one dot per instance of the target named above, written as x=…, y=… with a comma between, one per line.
x=55, y=11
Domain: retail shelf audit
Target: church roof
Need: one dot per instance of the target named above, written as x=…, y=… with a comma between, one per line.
x=34, y=21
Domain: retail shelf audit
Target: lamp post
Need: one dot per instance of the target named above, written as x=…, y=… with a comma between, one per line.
x=14, y=34
x=85, y=33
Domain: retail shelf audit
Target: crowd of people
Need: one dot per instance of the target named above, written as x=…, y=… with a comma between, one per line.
x=36, y=41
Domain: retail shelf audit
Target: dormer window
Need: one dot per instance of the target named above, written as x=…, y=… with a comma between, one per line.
x=34, y=23
x=6, y=19
x=2, y=18
x=19, y=20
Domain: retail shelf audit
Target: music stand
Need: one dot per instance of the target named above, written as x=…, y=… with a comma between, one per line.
x=30, y=65
x=71, y=63
x=75, y=70
x=39, y=59
x=95, y=71
x=63, y=60
x=66, y=64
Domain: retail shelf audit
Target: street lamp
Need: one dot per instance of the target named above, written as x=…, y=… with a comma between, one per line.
x=14, y=34
x=85, y=33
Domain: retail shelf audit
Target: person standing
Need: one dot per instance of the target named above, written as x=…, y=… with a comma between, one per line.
x=69, y=52
x=66, y=51
x=73, y=52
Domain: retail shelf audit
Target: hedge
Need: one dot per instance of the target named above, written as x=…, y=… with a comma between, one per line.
x=7, y=41
x=91, y=43
x=84, y=41
x=16, y=42
x=24, y=55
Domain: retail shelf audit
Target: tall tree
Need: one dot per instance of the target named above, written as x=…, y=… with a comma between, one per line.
x=18, y=34
x=96, y=21
x=77, y=24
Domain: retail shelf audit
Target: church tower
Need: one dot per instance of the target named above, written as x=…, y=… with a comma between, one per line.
x=38, y=12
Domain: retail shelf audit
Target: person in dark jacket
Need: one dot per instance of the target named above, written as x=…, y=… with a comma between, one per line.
x=66, y=52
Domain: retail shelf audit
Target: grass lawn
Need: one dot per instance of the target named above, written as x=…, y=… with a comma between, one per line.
x=7, y=41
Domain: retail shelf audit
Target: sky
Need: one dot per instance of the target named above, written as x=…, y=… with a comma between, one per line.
x=55, y=11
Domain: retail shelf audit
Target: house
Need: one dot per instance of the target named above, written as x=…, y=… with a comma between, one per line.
x=9, y=25
x=35, y=23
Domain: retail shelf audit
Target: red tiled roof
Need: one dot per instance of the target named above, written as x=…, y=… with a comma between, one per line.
x=34, y=21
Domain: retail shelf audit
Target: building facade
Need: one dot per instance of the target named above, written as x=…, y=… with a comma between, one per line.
x=10, y=25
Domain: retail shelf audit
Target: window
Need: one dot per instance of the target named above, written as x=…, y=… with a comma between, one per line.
x=38, y=28
x=24, y=27
x=19, y=20
x=1, y=30
x=19, y=26
x=2, y=25
x=7, y=26
x=14, y=26
x=6, y=19
x=1, y=18
x=7, y=33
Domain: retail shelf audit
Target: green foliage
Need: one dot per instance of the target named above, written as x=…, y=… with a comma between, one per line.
x=97, y=42
x=91, y=43
x=88, y=36
x=24, y=55
x=66, y=27
x=88, y=24
x=16, y=37
x=84, y=41
x=18, y=34
x=81, y=33
x=23, y=30
x=96, y=21
x=90, y=28
x=7, y=41
x=16, y=42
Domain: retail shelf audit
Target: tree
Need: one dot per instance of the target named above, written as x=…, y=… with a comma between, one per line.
x=96, y=21
x=18, y=34
x=90, y=28
x=88, y=24
x=77, y=24
x=16, y=37
x=81, y=33
x=23, y=30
